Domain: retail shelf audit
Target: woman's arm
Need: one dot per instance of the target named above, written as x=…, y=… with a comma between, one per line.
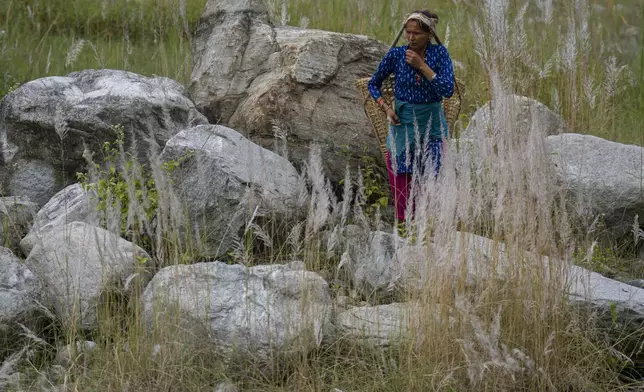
x=385, y=68
x=443, y=80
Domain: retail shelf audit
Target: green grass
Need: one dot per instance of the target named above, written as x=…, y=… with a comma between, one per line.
x=152, y=37
x=612, y=262
x=146, y=37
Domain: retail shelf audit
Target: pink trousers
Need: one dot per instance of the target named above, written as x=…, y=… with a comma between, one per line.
x=399, y=184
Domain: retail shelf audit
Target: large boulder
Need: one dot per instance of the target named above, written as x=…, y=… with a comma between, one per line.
x=525, y=113
x=222, y=177
x=613, y=303
x=607, y=295
x=19, y=293
x=77, y=263
x=252, y=76
x=71, y=204
x=386, y=263
x=70, y=354
x=376, y=325
x=478, y=259
x=247, y=310
x=16, y=217
x=374, y=267
x=34, y=179
x=385, y=325
x=46, y=124
x=604, y=179
x=615, y=308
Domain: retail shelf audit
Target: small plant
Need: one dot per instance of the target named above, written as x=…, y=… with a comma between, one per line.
x=374, y=177
x=124, y=189
x=611, y=263
x=111, y=188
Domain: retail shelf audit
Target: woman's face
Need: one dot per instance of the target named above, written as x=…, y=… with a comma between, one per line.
x=415, y=35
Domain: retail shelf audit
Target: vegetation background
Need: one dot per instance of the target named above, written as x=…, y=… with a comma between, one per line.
x=582, y=58
x=602, y=43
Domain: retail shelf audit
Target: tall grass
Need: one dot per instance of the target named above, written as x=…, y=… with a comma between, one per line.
x=581, y=58
x=510, y=327
x=44, y=38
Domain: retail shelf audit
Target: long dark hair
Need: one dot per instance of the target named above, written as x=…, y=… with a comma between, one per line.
x=428, y=29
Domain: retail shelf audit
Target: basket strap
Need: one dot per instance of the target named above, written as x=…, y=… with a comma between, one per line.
x=460, y=99
x=400, y=32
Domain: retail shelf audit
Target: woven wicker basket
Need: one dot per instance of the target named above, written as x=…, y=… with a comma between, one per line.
x=451, y=107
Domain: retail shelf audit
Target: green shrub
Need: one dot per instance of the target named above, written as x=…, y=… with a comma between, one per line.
x=111, y=188
x=374, y=182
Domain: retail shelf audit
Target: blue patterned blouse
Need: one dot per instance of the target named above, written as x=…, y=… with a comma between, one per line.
x=411, y=86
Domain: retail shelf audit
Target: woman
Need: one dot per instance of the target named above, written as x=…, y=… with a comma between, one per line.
x=423, y=76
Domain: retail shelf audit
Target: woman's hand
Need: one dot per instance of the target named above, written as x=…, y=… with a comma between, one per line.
x=392, y=117
x=389, y=111
x=412, y=58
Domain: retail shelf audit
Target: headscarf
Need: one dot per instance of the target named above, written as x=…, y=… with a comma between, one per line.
x=426, y=20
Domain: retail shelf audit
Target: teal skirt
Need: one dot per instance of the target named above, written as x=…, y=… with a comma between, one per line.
x=419, y=123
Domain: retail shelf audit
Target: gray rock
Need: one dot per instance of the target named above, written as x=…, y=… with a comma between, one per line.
x=76, y=263
x=375, y=269
x=223, y=178
x=45, y=124
x=51, y=379
x=33, y=179
x=603, y=178
x=385, y=324
x=19, y=291
x=482, y=259
x=600, y=291
x=226, y=387
x=16, y=217
x=13, y=381
x=69, y=205
x=636, y=283
x=378, y=325
x=248, y=310
x=388, y=263
x=615, y=307
x=342, y=302
x=526, y=113
x=354, y=238
x=385, y=264
x=488, y=259
x=301, y=80
x=220, y=75
x=68, y=355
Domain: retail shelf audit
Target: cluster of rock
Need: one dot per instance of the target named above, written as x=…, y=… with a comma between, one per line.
x=47, y=125
x=301, y=80
x=251, y=80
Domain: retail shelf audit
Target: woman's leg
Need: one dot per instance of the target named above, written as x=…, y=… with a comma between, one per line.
x=399, y=184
